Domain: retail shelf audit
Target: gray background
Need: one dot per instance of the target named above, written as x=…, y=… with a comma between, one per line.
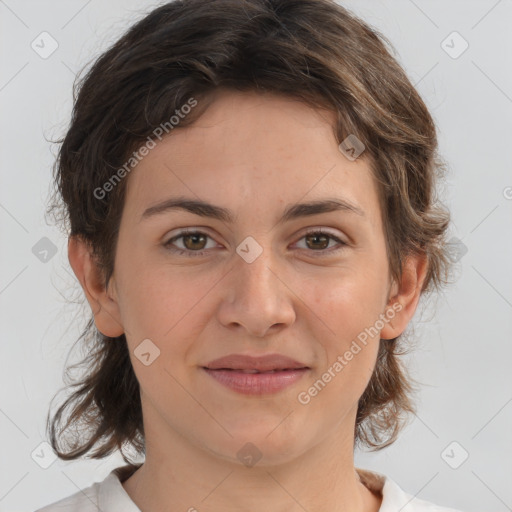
x=464, y=351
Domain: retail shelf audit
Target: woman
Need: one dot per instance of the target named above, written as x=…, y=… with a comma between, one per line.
x=250, y=191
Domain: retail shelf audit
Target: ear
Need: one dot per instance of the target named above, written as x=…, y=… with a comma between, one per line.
x=404, y=296
x=103, y=304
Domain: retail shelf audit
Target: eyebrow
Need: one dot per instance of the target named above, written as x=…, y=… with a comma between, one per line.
x=294, y=211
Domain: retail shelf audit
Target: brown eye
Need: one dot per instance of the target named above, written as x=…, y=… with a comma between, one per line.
x=317, y=241
x=194, y=243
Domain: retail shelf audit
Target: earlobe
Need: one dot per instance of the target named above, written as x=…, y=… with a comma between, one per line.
x=105, y=308
x=402, y=304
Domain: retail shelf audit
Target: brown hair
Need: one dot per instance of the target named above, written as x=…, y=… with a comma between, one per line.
x=312, y=50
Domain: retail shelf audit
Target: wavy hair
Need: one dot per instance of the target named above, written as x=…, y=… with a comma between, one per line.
x=312, y=50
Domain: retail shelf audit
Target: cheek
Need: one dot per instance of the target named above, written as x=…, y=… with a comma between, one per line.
x=347, y=300
x=173, y=307
x=348, y=306
x=348, y=350
x=156, y=300
x=168, y=308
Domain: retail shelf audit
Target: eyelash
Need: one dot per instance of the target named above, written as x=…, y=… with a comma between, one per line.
x=190, y=253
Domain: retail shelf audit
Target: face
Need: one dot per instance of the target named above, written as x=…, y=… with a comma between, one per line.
x=253, y=284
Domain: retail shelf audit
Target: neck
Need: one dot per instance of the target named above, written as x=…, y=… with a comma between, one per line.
x=178, y=475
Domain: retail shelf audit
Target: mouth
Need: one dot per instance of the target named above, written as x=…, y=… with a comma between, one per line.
x=256, y=375
x=253, y=370
x=247, y=381
x=255, y=364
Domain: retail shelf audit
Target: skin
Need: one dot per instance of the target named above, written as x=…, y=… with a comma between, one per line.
x=255, y=155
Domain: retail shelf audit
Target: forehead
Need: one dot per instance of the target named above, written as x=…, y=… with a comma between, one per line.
x=251, y=149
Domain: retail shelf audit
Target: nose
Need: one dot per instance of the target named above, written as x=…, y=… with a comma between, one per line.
x=258, y=297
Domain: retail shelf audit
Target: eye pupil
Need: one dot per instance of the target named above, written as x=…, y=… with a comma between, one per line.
x=193, y=236
x=317, y=236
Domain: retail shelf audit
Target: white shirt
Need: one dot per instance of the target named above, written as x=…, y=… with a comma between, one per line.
x=110, y=496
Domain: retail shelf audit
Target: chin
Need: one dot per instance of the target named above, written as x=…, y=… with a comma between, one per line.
x=254, y=447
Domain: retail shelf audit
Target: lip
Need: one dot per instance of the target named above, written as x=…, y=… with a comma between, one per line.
x=237, y=372
x=264, y=363
x=256, y=383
